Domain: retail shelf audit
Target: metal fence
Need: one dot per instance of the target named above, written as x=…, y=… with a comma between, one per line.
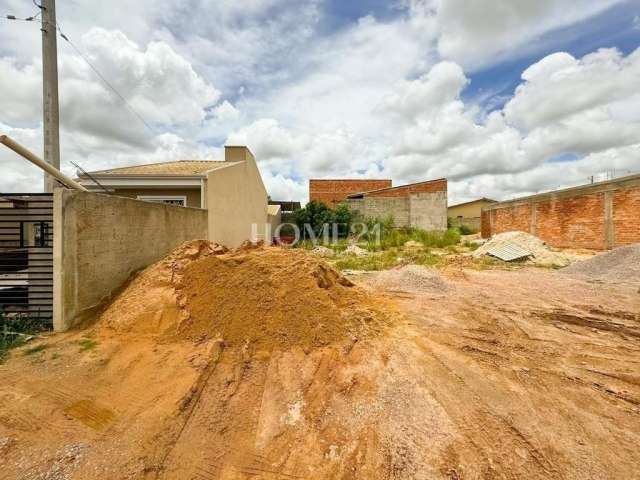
x=26, y=255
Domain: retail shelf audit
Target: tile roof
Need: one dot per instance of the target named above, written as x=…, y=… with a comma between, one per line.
x=179, y=168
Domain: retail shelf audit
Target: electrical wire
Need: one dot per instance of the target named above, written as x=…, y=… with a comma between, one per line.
x=20, y=19
x=105, y=81
x=84, y=57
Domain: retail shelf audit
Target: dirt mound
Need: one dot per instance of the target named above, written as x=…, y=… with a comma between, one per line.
x=268, y=297
x=274, y=297
x=541, y=254
x=619, y=265
x=149, y=303
x=410, y=278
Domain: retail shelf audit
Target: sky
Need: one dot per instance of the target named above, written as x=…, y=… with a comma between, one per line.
x=502, y=97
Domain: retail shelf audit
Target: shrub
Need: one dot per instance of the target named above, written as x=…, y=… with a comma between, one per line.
x=317, y=215
x=467, y=230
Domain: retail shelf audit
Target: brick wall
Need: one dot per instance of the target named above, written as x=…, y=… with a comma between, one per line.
x=420, y=205
x=332, y=192
x=626, y=216
x=598, y=216
x=407, y=190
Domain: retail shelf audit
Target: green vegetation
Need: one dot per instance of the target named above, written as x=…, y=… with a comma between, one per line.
x=397, y=237
x=466, y=230
x=87, y=344
x=15, y=331
x=368, y=263
x=317, y=215
x=388, y=259
x=36, y=349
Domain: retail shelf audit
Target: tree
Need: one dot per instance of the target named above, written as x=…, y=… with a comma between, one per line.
x=317, y=215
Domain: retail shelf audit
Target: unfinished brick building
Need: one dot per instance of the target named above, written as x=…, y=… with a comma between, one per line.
x=598, y=216
x=333, y=192
x=422, y=205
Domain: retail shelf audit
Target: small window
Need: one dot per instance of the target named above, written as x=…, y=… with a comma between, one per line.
x=178, y=200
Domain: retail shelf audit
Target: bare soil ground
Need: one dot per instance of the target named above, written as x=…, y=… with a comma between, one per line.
x=503, y=374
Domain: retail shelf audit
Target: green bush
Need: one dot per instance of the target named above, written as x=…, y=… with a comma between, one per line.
x=467, y=230
x=317, y=215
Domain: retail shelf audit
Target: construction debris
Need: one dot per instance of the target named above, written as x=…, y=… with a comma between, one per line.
x=509, y=252
x=323, y=252
x=511, y=246
x=354, y=249
x=619, y=265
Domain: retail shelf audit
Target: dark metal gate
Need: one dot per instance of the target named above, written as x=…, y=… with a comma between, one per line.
x=26, y=255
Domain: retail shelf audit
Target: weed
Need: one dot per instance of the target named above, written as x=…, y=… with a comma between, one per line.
x=87, y=344
x=34, y=350
x=369, y=263
x=11, y=326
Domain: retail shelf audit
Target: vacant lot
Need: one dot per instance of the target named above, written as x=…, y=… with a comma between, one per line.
x=268, y=365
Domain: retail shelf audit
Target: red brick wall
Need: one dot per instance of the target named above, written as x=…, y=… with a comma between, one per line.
x=332, y=192
x=512, y=219
x=573, y=222
x=406, y=190
x=626, y=216
x=567, y=221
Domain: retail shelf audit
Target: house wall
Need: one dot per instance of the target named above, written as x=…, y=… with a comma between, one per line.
x=428, y=211
x=379, y=207
x=236, y=199
x=468, y=210
x=100, y=240
x=192, y=194
x=420, y=205
x=599, y=216
x=333, y=192
x=433, y=186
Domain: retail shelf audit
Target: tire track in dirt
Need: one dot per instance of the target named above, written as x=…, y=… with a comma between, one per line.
x=478, y=422
x=190, y=404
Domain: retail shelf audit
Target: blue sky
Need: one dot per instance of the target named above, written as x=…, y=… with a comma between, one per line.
x=613, y=28
x=503, y=98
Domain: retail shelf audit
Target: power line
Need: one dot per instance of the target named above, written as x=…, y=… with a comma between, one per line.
x=105, y=81
x=22, y=19
x=93, y=67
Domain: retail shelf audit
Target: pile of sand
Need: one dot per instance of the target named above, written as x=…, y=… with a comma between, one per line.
x=268, y=297
x=619, y=265
x=410, y=278
x=541, y=253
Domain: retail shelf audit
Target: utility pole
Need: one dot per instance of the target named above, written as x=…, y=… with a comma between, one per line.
x=51, y=128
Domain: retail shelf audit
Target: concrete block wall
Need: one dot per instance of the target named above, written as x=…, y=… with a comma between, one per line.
x=421, y=205
x=428, y=210
x=380, y=207
x=100, y=240
x=598, y=216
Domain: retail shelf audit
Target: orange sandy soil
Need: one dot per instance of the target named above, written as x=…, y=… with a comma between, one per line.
x=520, y=374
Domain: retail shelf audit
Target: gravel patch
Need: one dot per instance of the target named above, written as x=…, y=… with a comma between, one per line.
x=411, y=278
x=619, y=265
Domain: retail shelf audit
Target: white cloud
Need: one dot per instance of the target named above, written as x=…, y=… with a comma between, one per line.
x=560, y=85
x=226, y=112
x=565, y=106
x=475, y=33
x=374, y=98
